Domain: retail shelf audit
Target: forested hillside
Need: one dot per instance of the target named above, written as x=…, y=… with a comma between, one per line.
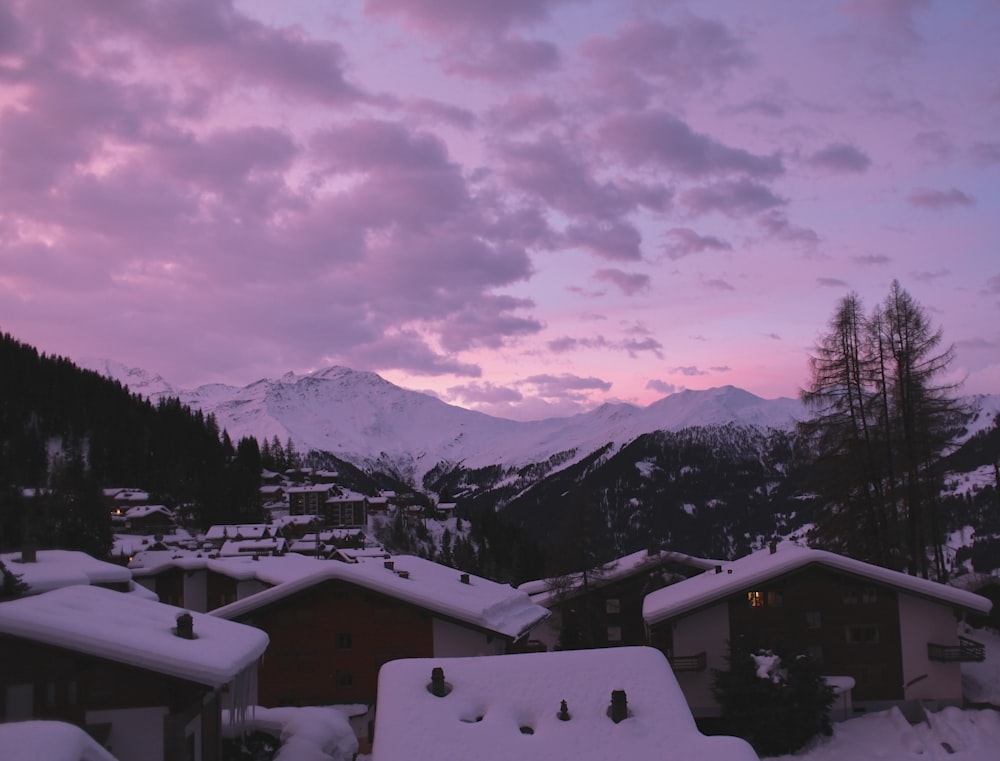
x=65, y=433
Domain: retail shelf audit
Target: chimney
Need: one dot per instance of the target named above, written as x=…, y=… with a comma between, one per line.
x=563, y=714
x=29, y=553
x=718, y=569
x=464, y=578
x=185, y=626
x=438, y=687
x=618, y=711
x=391, y=565
x=773, y=547
x=403, y=574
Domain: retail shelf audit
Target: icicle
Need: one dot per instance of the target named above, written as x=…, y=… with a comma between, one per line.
x=243, y=697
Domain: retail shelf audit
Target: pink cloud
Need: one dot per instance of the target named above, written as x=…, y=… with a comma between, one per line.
x=777, y=226
x=507, y=60
x=689, y=370
x=831, y=282
x=547, y=385
x=984, y=152
x=840, y=157
x=463, y=16
x=683, y=241
x=734, y=198
x=432, y=110
x=662, y=386
x=524, y=110
x=630, y=283
x=618, y=241
x=929, y=198
x=485, y=393
x=660, y=138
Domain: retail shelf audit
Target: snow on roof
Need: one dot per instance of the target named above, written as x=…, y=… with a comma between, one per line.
x=307, y=733
x=49, y=740
x=347, y=496
x=135, y=631
x=760, y=567
x=141, y=511
x=506, y=706
x=548, y=591
x=311, y=488
x=63, y=568
x=481, y=603
x=241, y=530
x=235, y=547
x=269, y=570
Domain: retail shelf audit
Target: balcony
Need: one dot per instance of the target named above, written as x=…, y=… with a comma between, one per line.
x=688, y=662
x=966, y=651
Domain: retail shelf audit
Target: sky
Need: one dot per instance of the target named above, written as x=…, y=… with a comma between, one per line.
x=527, y=207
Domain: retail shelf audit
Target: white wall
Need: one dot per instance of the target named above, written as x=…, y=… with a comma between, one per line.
x=196, y=591
x=920, y=622
x=708, y=631
x=136, y=733
x=249, y=587
x=452, y=640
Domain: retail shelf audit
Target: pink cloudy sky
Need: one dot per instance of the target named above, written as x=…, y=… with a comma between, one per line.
x=526, y=207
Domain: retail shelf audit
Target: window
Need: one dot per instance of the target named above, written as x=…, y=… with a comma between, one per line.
x=343, y=641
x=851, y=597
x=756, y=599
x=862, y=635
x=345, y=679
x=775, y=599
x=813, y=619
x=869, y=595
x=612, y=605
x=771, y=599
x=815, y=653
x=614, y=634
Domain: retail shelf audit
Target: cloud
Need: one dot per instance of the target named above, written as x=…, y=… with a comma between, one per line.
x=635, y=347
x=683, y=241
x=986, y=152
x=485, y=393
x=993, y=284
x=428, y=109
x=463, y=16
x=871, y=260
x=929, y=198
x=776, y=225
x=772, y=336
x=619, y=241
x=935, y=143
x=504, y=61
x=523, y=111
x=831, y=282
x=736, y=198
x=720, y=369
x=688, y=370
x=406, y=350
x=657, y=137
x=930, y=277
x=662, y=386
x=841, y=158
x=687, y=55
x=631, y=346
x=717, y=284
x=888, y=27
x=630, y=283
x=565, y=384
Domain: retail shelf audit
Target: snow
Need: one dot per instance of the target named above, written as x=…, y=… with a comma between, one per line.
x=311, y=733
x=265, y=569
x=481, y=603
x=62, y=568
x=759, y=567
x=135, y=631
x=48, y=741
x=495, y=699
x=981, y=681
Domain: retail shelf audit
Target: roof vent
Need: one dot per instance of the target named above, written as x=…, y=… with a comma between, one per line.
x=618, y=710
x=403, y=574
x=773, y=547
x=464, y=578
x=185, y=626
x=390, y=564
x=438, y=687
x=718, y=569
x=563, y=714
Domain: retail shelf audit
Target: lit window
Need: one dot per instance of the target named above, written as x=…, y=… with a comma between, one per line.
x=774, y=599
x=756, y=599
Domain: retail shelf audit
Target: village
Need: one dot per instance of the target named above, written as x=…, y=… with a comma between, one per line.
x=190, y=639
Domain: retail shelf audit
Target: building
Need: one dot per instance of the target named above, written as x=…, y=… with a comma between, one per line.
x=147, y=680
x=309, y=500
x=585, y=705
x=604, y=609
x=895, y=635
x=331, y=631
x=45, y=570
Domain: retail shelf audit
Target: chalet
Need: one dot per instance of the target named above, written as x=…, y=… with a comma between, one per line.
x=45, y=570
x=332, y=630
x=895, y=635
x=604, y=607
x=147, y=680
x=586, y=705
x=309, y=500
x=378, y=505
x=270, y=478
x=218, y=535
x=148, y=519
x=272, y=494
x=347, y=509
x=445, y=510
x=243, y=547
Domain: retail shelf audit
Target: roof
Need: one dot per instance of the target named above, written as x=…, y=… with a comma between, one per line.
x=63, y=568
x=760, y=567
x=483, y=604
x=237, y=530
x=134, y=631
x=51, y=740
x=268, y=569
x=493, y=697
x=141, y=511
x=548, y=591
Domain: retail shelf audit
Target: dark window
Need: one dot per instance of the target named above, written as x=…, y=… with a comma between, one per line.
x=612, y=606
x=862, y=635
x=815, y=653
x=869, y=595
x=614, y=634
x=345, y=679
x=813, y=619
x=343, y=641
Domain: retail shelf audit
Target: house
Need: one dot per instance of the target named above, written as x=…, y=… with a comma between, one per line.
x=585, y=705
x=308, y=500
x=895, y=635
x=445, y=510
x=347, y=509
x=604, y=607
x=251, y=547
x=147, y=680
x=219, y=534
x=147, y=519
x=45, y=570
x=330, y=631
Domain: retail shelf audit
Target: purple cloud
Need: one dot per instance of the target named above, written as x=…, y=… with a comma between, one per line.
x=930, y=277
x=506, y=60
x=841, y=158
x=871, y=260
x=618, y=241
x=683, y=241
x=630, y=283
x=776, y=225
x=929, y=198
x=935, y=143
x=558, y=385
x=634, y=347
x=831, y=282
x=427, y=109
x=463, y=16
x=717, y=284
x=662, y=386
x=735, y=198
x=986, y=152
x=524, y=111
x=405, y=350
x=688, y=370
x=657, y=137
x=993, y=284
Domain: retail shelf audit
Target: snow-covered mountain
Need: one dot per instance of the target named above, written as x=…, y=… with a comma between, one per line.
x=362, y=418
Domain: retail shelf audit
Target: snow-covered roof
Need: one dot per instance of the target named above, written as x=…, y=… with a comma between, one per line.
x=236, y=547
x=267, y=569
x=760, y=567
x=548, y=591
x=347, y=496
x=62, y=568
x=506, y=706
x=311, y=488
x=49, y=740
x=141, y=511
x=135, y=631
x=241, y=530
x=481, y=603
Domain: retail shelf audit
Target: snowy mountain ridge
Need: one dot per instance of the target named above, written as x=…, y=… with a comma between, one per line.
x=368, y=421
